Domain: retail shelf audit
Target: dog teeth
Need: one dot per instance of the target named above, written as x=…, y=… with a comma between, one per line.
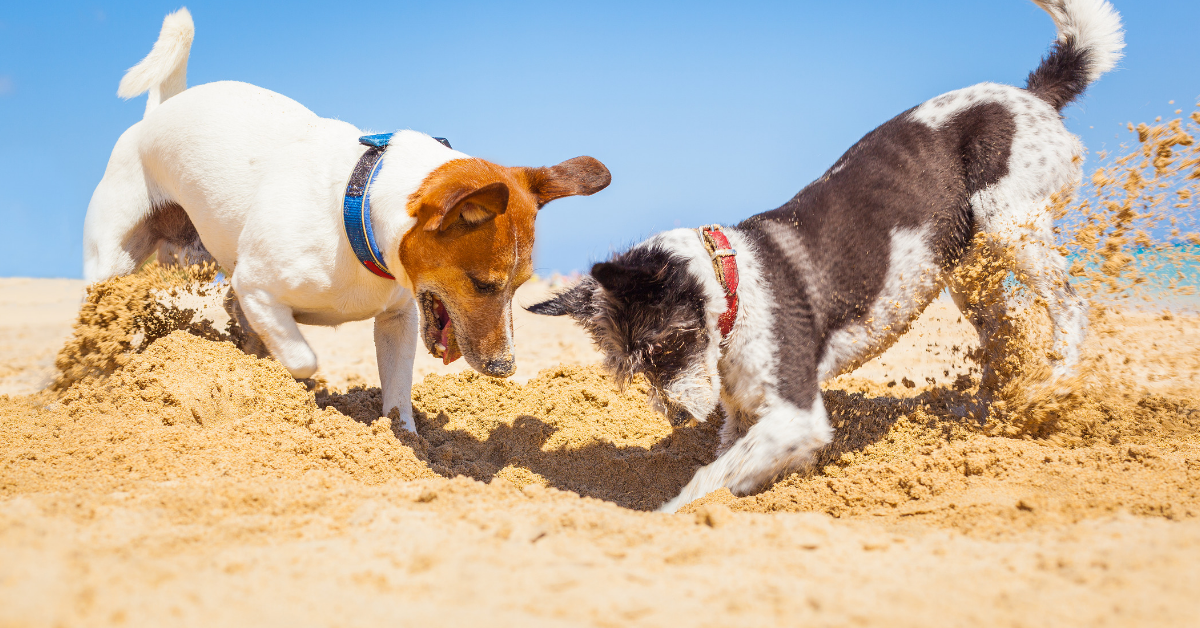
x=440, y=349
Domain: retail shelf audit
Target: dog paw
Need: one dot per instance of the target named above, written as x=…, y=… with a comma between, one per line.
x=402, y=419
x=301, y=362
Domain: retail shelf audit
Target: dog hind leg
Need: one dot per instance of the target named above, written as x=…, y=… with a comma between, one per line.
x=116, y=235
x=1044, y=270
x=782, y=439
x=1028, y=251
x=977, y=287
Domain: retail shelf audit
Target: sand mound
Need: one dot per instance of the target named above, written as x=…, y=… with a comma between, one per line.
x=189, y=408
x=123, y=315
x=917, y=461
x=152, y=389
x=143, y=406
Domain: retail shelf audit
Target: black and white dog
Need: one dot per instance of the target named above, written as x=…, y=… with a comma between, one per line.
x=830, y=279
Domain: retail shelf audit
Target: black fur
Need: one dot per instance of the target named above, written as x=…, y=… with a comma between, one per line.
x=901, y=175
x=576, y=301
x=645, y=310
x=1062, y=75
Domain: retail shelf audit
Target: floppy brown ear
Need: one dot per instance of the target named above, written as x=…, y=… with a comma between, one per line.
x=580, y=176
x=471, y=207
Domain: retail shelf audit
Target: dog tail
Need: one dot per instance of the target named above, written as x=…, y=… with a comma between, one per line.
x=1090, y=40
x=163, y=72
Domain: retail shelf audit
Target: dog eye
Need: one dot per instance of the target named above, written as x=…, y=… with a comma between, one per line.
x=484, y=287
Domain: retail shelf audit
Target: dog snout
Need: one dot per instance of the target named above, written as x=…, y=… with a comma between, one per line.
x=502, y=367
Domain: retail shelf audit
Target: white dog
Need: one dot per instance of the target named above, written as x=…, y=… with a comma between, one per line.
x=319, y=226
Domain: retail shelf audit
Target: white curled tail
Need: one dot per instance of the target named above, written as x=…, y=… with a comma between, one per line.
x=163, y=72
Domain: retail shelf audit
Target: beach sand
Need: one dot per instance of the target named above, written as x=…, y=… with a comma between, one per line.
x=196, y=485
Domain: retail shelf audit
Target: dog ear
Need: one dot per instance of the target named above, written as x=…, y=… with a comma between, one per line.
x=618, y=279
x=578, y=301
x=609, y=275
x=581, y=176
x=470, y=207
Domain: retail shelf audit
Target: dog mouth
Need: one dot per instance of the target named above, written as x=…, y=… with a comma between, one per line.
x=439, y=329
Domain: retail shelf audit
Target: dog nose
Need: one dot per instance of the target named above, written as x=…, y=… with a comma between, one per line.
x=679, y=417
x=500, y=368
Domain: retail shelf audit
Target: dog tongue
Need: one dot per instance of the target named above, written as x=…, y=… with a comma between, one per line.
x=451, y=353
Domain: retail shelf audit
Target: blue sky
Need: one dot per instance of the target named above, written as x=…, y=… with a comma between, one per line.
x=704, y=112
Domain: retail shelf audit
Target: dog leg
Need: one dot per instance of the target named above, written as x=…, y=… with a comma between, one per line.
x=396, y=332
x=736, y=424
x=1045, y=272
x=275, y=323
x=242, y=334
x=783, y=438
x=116, y=236
x=984, y=303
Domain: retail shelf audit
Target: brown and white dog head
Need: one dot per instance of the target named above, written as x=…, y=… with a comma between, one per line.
x=471, y=247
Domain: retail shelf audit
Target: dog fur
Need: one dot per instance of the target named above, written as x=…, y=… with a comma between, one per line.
x=251, y=179
x=832, y=278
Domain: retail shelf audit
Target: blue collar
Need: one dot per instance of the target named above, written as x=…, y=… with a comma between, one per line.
x=356, y=204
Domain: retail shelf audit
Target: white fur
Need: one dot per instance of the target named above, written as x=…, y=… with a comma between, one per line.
x=783, y=438
x=163, y=72
x=695, y=390
x=748, y=365
x=1094, y=24
x=277, y=226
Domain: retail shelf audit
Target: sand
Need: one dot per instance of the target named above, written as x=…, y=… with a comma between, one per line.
x=198, y=485
x=151, y=473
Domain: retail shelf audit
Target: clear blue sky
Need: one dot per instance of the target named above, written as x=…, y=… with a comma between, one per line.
x=704, y=112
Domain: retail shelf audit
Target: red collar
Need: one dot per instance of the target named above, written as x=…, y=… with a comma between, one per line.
x=724, y=262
